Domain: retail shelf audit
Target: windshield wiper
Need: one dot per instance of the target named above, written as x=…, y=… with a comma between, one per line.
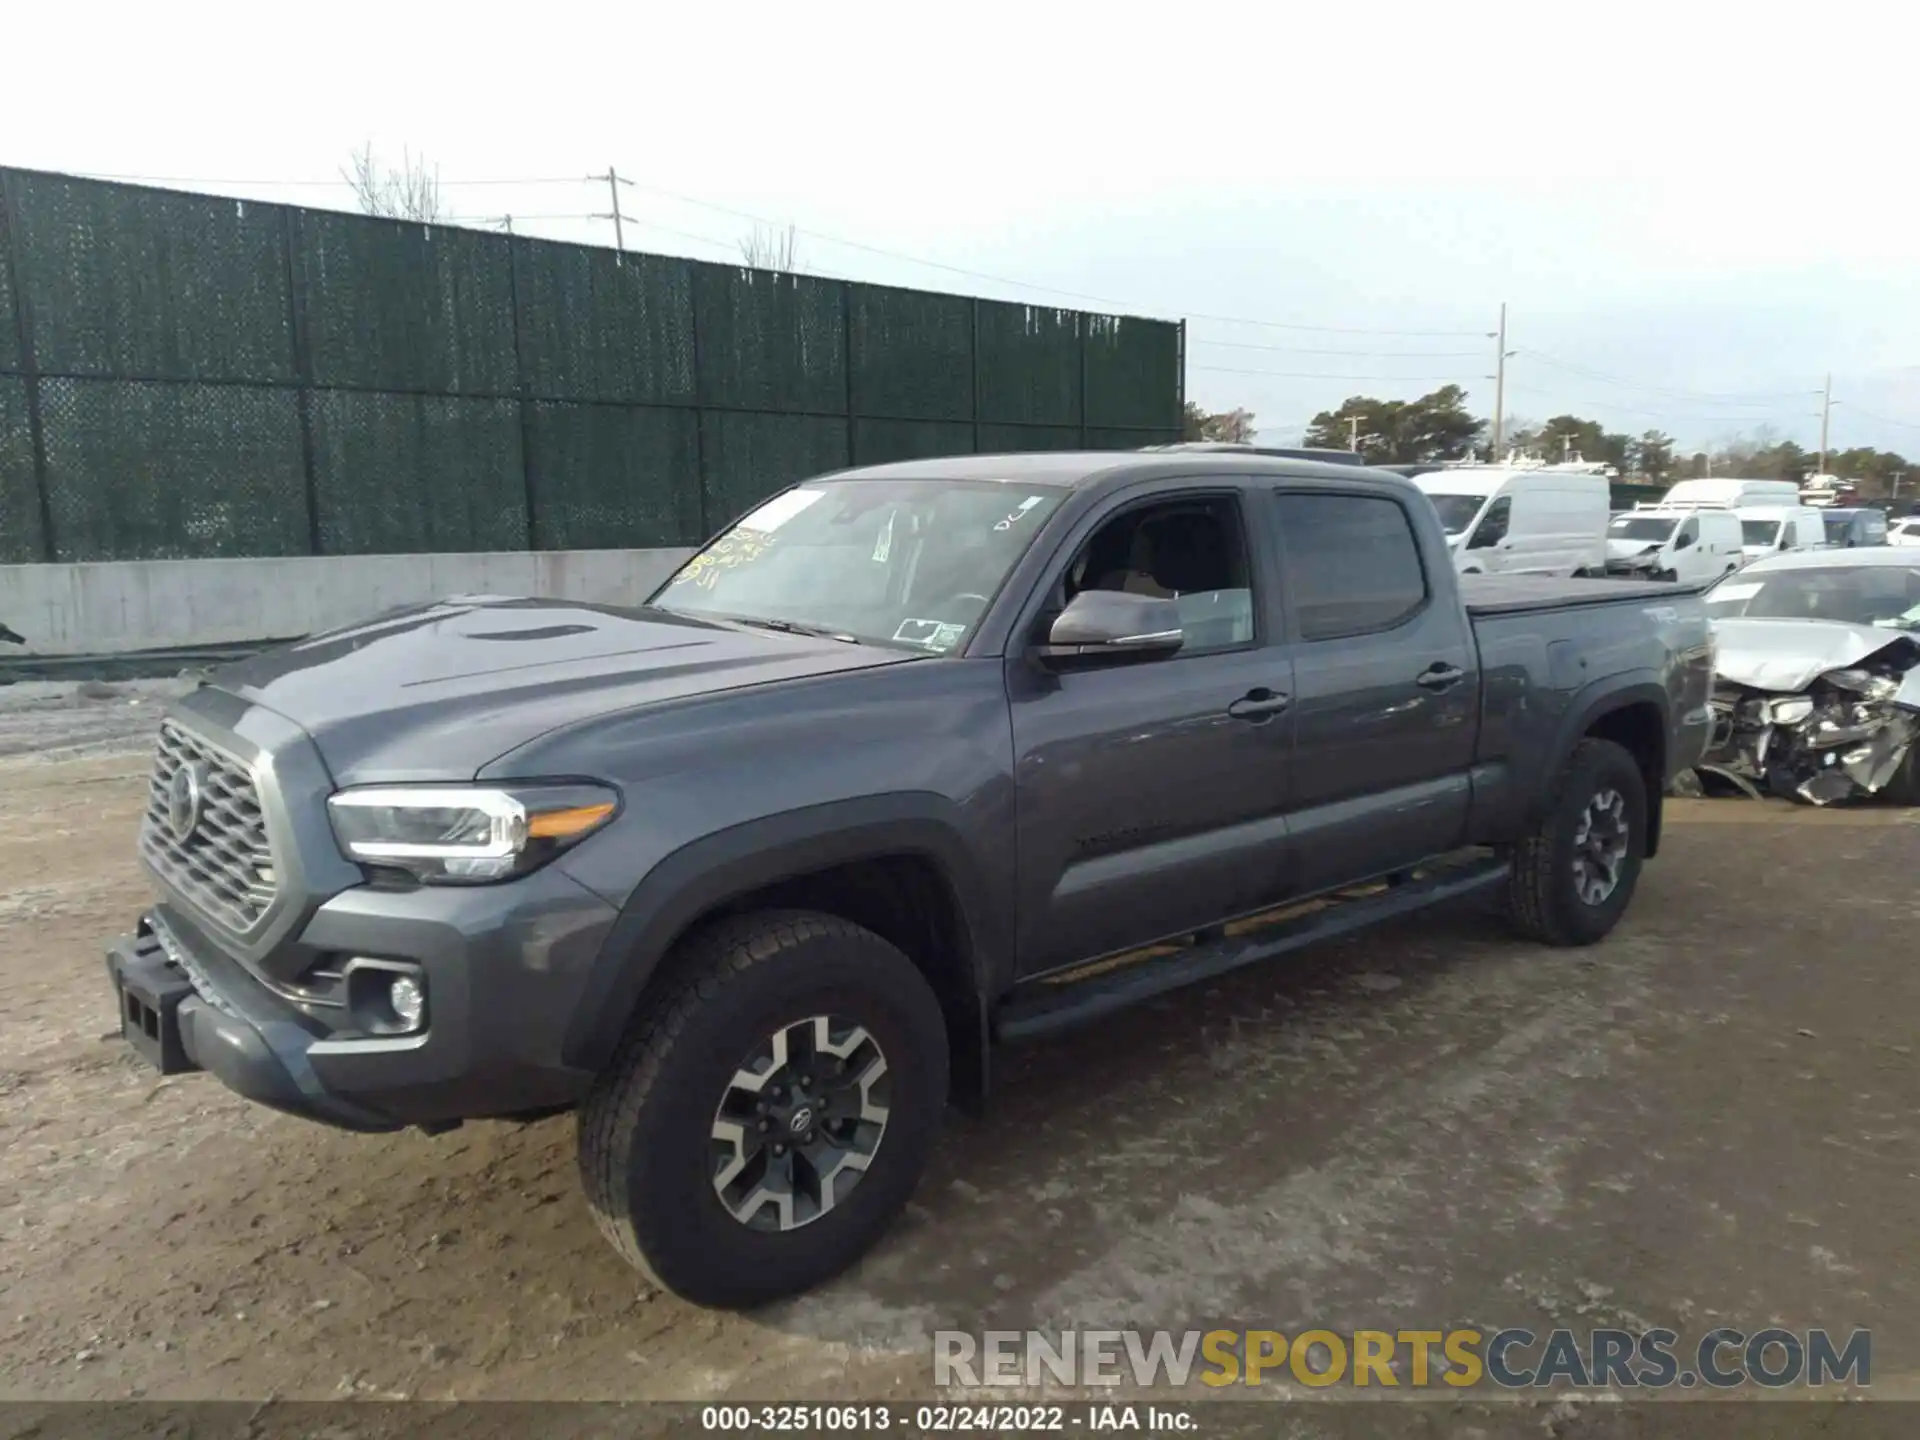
x=794, y=627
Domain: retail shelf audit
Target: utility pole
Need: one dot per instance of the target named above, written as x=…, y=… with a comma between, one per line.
x=1826, y=413
x=1353, y=433
x=1500, y=383
x=614, y=182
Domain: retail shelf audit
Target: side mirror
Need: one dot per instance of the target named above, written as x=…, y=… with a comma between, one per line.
x=1683, y=542
x=1111, y=627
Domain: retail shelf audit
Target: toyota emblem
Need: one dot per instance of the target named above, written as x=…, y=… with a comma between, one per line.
x=186, y=794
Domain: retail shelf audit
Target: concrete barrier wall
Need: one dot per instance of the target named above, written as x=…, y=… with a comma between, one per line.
x=120, y=606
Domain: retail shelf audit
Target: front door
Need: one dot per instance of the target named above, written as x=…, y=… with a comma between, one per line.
x=1489, y=547
x=1152, y=796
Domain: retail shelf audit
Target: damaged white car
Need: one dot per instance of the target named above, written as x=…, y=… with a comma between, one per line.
x=1817, y=684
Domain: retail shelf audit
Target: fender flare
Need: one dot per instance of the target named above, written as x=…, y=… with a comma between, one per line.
x=746, y=857
x=1593, y=701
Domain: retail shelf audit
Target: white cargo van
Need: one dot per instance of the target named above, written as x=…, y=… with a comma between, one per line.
x=1730, y=494
x=1521, y=522
x=1681, y=543
x=1776, y=529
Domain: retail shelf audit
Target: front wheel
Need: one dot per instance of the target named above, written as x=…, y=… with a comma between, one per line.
x=771, y=1112
x=1575, y=874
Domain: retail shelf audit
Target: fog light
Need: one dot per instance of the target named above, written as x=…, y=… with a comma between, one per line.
x=409, y=1001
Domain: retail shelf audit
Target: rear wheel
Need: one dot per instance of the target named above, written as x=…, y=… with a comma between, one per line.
x=771, y=1111
x=1574, y=876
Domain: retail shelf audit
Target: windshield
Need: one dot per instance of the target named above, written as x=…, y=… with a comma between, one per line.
x=1642, y=527
x=1759, y=532
x=888, y=562
x=1457, y=511
x=1887, y=595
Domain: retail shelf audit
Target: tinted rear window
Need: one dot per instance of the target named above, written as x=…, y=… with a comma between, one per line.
x=1352, y=563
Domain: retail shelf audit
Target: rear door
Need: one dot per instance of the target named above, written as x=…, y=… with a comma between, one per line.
x=1152, y=797
x=1386, y=684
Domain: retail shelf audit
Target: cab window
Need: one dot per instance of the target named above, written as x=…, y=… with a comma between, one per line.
x=1190, y=551
x=1492, y=528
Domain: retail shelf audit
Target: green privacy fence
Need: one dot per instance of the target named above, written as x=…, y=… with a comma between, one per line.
x=185, y=376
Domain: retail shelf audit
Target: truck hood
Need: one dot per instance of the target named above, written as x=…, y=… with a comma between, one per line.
x=435, y=692
x=1790, y=655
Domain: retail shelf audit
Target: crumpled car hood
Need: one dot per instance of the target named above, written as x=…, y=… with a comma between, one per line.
x=1789, y=655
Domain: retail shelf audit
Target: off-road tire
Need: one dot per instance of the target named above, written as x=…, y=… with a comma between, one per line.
x=1543, y=901
x=645, y=1129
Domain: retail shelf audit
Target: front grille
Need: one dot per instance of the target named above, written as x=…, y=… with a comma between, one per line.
x=224, y=864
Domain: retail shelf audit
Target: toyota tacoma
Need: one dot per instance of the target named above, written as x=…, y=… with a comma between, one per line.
x=909, y=763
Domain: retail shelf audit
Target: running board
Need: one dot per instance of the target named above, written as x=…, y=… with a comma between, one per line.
x=1115, y=984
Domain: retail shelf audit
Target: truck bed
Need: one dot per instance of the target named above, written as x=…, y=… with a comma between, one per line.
x=1517, y=594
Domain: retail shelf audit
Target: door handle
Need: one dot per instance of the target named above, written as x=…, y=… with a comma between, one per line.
x=1258, y=705
x=1439, y=676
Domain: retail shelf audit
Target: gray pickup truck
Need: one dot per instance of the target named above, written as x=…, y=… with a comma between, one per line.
x=909, y=762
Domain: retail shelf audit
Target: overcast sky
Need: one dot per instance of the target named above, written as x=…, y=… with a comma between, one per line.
x=1693, y=210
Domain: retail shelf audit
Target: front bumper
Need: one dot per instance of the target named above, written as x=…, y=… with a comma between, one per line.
x=1640, y=566
x=503, y=967
x=177, y=1027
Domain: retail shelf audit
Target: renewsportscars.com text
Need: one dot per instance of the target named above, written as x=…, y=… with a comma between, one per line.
x=1513, y=1359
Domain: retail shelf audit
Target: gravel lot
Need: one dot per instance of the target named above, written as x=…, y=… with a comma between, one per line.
x=1709, y=1119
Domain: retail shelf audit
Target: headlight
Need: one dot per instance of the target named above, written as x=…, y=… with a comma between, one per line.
x=1864, y=682
x=466, y=834
x=1790, y=711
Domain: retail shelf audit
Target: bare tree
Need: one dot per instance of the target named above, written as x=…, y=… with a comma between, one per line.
x=1235, y=427
x=771, y=249
x=411, y=192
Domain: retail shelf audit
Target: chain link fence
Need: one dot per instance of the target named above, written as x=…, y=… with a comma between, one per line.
x=185, y=376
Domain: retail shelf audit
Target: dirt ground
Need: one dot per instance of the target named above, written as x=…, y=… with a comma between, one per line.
x=1709, y=1119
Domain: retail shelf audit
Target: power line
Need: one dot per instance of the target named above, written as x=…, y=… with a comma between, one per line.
x=1636, y=410
x=1883, y=419
x=1287, y=375
x=901, y=255
x=339, y=183
x=517, y=215
x=1356, y=354
x=1757, y=397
